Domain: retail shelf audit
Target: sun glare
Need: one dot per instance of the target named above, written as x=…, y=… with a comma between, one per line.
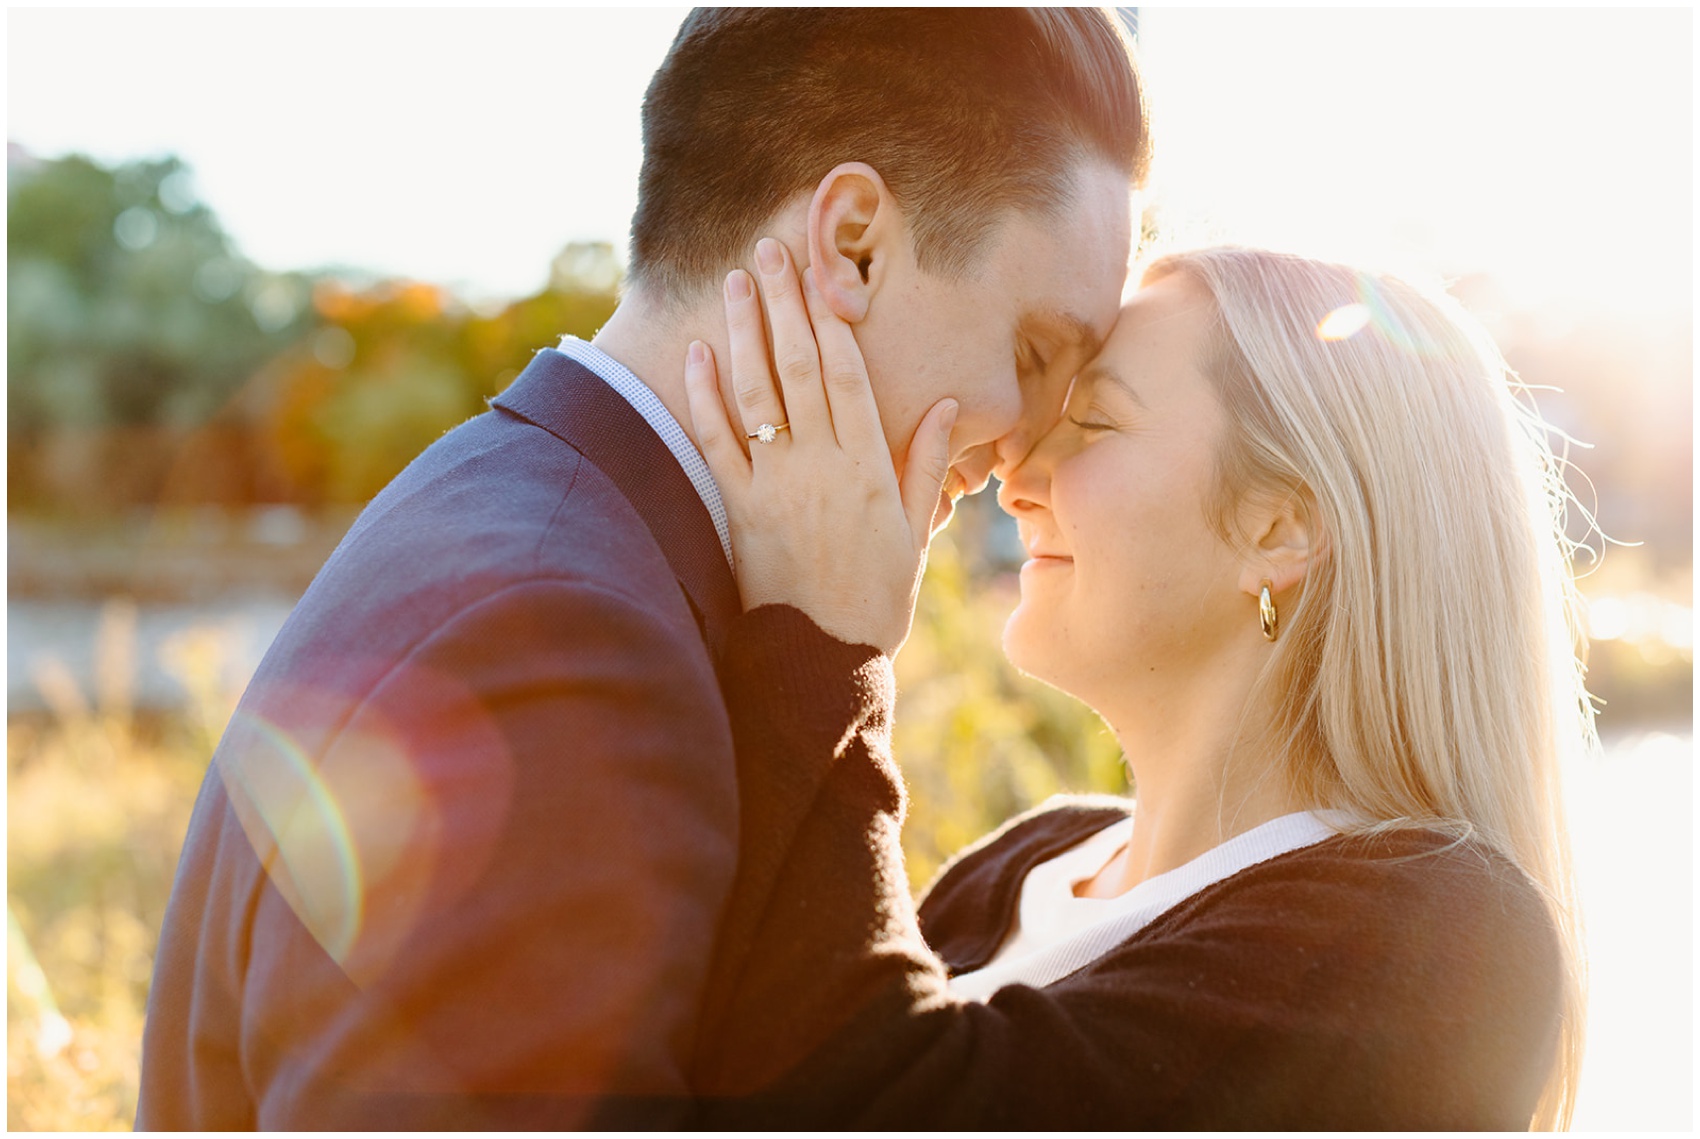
x=1343, y=323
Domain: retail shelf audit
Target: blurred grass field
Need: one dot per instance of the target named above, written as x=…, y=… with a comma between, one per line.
x=100, y=795
x=100, y=791
x=98, y=798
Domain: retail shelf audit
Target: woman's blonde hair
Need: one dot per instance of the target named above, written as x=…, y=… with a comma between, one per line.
x=1426, y=672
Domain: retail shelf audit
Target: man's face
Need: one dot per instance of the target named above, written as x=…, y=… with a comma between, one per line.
x=1006, y=339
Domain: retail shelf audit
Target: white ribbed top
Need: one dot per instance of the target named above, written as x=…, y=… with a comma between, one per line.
x=1057, y=933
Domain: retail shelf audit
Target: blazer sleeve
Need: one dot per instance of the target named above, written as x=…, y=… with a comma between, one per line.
x=489, y=899
x=1346, y=992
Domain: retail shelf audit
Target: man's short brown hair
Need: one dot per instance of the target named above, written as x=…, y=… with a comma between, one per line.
x=965, y=113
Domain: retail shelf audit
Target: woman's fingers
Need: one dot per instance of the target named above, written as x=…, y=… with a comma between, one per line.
x=821, y=520
x=720, y=445
x=795, y=354
x=753, y=389
x=855, y=417
x=925, y=468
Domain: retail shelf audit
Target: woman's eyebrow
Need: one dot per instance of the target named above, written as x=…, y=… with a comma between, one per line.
x=1098, y=373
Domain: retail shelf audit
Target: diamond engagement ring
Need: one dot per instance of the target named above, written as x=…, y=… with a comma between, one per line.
x=767, y=432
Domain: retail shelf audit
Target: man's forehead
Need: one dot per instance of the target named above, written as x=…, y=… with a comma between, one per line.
x=1068, y=272
x=1074, y=301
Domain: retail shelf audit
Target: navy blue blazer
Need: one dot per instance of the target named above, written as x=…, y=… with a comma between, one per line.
x=459, y=857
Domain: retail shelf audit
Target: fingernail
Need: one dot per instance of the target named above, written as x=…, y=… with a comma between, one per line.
x=950, y=416
x=769, y=256
x=698, y=354
x=737, y=285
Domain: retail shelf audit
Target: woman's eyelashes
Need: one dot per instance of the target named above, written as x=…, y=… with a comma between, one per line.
x=1089, y=415
x=1089, y=423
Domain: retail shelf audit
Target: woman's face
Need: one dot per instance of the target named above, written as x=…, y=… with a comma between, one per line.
x=1128, y=590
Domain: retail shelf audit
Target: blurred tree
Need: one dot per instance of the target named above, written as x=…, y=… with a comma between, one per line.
x=392, y=366
x=149, y=363
x=127, y=310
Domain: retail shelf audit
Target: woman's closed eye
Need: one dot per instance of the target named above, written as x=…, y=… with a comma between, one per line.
x=1093, y=418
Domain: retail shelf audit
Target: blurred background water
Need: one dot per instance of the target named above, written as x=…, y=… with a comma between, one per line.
x=239, y=300
x=1631, y=812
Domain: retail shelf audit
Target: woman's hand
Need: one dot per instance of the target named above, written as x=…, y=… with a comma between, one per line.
x=820, y=518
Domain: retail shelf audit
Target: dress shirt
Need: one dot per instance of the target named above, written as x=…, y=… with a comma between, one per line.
x=647, y=404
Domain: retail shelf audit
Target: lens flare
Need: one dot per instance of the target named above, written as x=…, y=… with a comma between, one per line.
x=1370, y=311
x=366, y=821
x=1344, y=322
x=297, y=829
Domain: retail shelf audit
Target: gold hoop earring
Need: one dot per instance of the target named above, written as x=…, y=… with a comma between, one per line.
x=1266, y=615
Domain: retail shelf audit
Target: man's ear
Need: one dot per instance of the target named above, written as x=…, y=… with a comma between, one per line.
x=1285, y=539
x=854, y=227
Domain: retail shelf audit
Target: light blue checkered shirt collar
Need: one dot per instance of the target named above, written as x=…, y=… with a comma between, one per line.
x=647, y=404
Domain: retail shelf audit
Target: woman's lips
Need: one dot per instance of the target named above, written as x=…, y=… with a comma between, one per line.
x=1039, y=552
x=1045, y=553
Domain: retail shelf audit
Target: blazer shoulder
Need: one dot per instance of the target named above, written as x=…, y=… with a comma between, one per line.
x=496, y=501
x=498, y=516
x=501, y=489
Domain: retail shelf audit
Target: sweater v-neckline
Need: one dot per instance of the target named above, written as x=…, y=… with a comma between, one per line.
x=1070, y=932
x=1036, y=838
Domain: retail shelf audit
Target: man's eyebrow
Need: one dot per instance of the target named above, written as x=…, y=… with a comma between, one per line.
x=1098, y=373
x=1071, y=329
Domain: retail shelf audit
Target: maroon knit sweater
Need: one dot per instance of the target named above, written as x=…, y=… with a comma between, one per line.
x=1408, y=981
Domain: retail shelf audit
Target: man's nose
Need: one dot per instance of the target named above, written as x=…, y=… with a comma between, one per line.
x=1025, y=483
x=1014, y=447
x=975, y=468
x=1007, y=417
x=1040, y=411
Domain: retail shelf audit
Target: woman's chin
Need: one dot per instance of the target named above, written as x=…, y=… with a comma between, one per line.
x=1037, y=644
x=1024, y=641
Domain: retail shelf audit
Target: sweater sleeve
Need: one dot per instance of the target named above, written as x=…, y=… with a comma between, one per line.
x=1344, y=987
